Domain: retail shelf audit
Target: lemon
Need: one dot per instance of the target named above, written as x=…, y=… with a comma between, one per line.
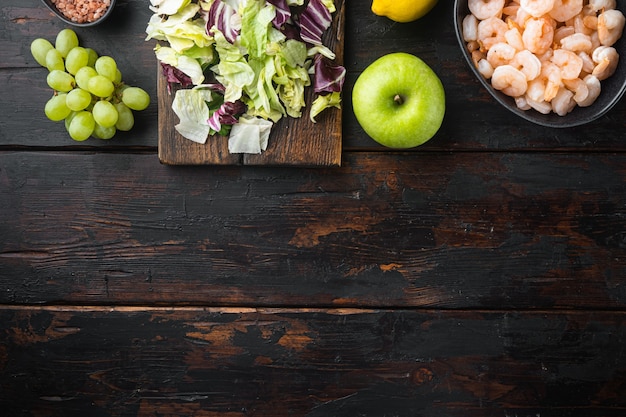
x=402, y=10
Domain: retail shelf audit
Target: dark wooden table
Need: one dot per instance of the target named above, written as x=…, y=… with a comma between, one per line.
x=482, y=274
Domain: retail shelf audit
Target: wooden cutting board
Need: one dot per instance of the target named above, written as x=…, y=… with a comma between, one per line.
x=293, y=142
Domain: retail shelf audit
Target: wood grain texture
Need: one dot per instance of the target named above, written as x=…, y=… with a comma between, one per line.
x=480, y=275
x=293, y=141
x=286, y=362
x=437, y=230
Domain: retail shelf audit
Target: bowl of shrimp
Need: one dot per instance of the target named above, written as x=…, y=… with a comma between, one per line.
x=555, y=63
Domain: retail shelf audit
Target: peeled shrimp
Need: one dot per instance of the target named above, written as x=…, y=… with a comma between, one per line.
x=522, y=103
x=565, y=10
x=577, y=42
x=610, y=26
x=538, y=35
x=606, y=58
x=484, y=9
x=563, y=102
x=597, y=5
x=485, y=68
x=514, y=38
x=491, y=31
x=528, y=63
x=568, y=62
x=594, y=87
x=578, y=87
x=551, y=73
x=500, y=54
x=540, y=105
x=470, y=28
x=509, y=80
x=537, y=8
x=588, y=64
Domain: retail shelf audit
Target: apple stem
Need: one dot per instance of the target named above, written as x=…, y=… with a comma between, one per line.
x=398, y=99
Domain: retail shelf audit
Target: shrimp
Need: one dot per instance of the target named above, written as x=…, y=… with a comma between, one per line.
x=537, y=8
x=522, y=103
x=491, y=31
x=470, y=28
x=538, y=35
x=606, y=59
x=514, y=38
x=577, y=42
x=500, y=54
x=594, y=87
x=477, y=55
x=509, y=80
x=510, y=10
x=536, y=89
x=580, y=26
x=610, y=26
x=568, y=62
x=552, y=75
x=565, y=10
x=578, y=87
x=588, y=64
x=563, y=32
x=484, y=9
x=597, y=5
x=563, y=102
x=541, y=106
x=528, y=63
x=484, y=68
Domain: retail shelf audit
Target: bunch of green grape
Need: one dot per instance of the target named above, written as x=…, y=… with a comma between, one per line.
x=89, y=94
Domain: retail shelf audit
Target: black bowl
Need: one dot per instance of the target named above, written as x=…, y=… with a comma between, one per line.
x=613, y=88
x=61, y=16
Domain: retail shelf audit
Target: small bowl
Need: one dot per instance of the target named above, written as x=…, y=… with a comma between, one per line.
x=64, y=18
x=613, y=88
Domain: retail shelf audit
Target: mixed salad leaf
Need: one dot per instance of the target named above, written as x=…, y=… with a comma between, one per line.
x=244, y=64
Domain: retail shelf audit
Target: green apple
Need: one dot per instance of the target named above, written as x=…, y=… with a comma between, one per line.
x=399, y=101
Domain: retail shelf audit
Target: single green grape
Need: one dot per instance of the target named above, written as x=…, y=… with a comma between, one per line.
x=118, y=77
x=81, y=126
x=83, y=75
x=56, y=109
x=105, y=65
x=104, y=113
x=76, y=59
x=54, y=60
x=65, y=41
x=135, y=98
x=93, y=56
x=60, y=80
x=78, y=99
x=100, y=132
x=125, y=119
x=100, y=86
x=68, y=119
x=39, y=49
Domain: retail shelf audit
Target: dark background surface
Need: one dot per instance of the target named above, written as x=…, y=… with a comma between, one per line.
x=481, y=274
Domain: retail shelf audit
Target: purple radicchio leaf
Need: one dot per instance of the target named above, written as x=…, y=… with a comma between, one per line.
x=328, y=77
x=175, y=76
x=314, y=21
x=226, y=115
x=283, y=13
x=219, y=16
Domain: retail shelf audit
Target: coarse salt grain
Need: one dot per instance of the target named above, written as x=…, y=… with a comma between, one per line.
x=82, y=11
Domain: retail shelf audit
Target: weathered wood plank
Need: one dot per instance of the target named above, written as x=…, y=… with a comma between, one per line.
x=454, y=230
x=236, y=362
